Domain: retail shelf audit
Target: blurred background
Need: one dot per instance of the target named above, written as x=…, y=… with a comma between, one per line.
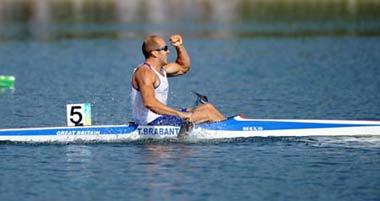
x=120, y=19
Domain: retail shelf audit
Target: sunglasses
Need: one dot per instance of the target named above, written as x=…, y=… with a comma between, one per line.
x=165, y=48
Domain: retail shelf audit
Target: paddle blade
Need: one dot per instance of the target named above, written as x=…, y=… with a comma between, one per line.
x=201, y=98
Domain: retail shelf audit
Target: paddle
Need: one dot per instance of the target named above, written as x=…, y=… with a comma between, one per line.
x=201, y=99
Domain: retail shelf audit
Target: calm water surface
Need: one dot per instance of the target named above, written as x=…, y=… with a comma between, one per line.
x=253, y=169
x=317, y=68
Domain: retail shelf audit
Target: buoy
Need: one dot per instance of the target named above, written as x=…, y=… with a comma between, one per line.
x=7, y=81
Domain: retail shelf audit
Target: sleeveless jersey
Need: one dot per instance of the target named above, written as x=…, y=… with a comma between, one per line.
x=140, y=113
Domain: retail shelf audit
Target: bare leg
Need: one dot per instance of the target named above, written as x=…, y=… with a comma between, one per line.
x=206, y=113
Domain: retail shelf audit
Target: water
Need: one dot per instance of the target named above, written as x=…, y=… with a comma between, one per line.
x=254, y=169
x=324, y=64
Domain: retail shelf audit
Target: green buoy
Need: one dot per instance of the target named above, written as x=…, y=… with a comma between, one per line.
x=7, y=81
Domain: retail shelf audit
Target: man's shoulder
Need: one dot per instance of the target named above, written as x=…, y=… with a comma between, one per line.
x=144, y=72
x=142, y=69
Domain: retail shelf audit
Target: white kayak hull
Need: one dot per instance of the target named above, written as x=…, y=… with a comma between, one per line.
x=236, y=127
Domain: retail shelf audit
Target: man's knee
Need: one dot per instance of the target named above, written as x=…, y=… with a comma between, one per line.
x=208, y=107
x=205, y=108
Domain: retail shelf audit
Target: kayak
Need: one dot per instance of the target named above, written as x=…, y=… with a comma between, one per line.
x=233, y=127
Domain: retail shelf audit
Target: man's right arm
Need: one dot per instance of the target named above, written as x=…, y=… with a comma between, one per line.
x=182, y=64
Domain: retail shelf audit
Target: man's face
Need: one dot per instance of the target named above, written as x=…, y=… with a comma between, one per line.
x=162, y=52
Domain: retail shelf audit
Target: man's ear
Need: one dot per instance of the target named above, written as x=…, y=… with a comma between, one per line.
x=154, y=53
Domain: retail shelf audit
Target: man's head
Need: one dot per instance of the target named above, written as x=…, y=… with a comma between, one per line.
x=155, y=46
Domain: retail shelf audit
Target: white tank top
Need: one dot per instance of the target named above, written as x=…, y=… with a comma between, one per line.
x=140, y=113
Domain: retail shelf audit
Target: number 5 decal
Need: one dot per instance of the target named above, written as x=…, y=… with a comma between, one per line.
x=76, y=111
x=78, y=114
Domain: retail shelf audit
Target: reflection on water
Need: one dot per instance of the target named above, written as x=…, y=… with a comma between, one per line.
x=49, y=20
x=78, y=153
x=163, y=166
x=4, y=90
x=78, y=158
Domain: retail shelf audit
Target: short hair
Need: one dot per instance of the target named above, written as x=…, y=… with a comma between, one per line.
x=150, y=44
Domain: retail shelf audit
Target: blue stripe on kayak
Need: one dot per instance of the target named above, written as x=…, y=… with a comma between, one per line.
x=71, y=131
x=228, y=125
x=234, y=125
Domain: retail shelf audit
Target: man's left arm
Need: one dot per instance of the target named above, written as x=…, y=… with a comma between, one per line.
x=182, y=63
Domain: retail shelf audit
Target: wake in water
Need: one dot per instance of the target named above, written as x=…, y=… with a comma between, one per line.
x=345, y=142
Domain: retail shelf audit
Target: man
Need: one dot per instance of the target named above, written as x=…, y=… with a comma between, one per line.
x=150, y=86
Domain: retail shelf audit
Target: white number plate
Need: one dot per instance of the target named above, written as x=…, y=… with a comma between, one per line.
x=78, y=114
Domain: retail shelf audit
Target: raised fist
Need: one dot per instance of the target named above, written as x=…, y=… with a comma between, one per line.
x=176, y=40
